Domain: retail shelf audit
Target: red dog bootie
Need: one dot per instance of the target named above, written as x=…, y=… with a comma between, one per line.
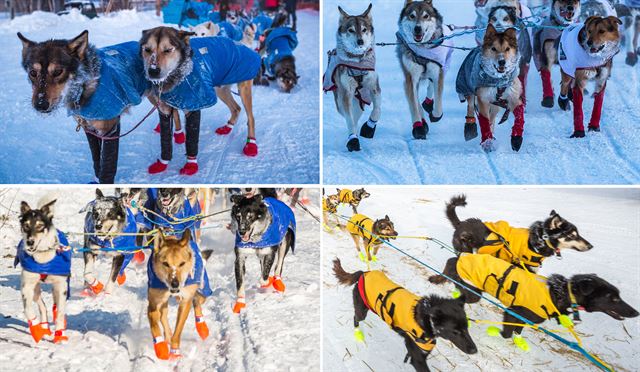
x=59, y=337
x=138, y=257
x=278, y=284
x=225, y=129
x=251, y=148
x=179, y=137
x=201, y=327
x=190, y=168
x=161, y=347
x=239, y=305
x=157, y=128
x=55, y=317
x=158, y=167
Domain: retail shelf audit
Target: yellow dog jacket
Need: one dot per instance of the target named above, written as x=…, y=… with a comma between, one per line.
x=361, y=225
x=510, y=244
x=394, y=305
x=327, y=207
x=510, y=284
x=345, y=196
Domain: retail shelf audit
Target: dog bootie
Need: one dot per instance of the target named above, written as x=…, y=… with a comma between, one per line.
x=488, y=145
x=631, y=59
x=201, y=327
x=138, y=257
x=353, y=144
x=577, y=134
x=157, y=128
x=470, y=128
x=251, y=147
x=45, y=328
x=121, y=278
x=456, y=293
x=368, y=129
x=161, y=347
x=179, y=137
x=158, y=167
x=225, y=129
x=362, y=257
x=59, y=337
x=174, y=354
x=565, y=321
x=190, y=168
x=419, y=130
x=516, y=143
x=278, y=284
x=493, y=331
x=268, y=284
x=37, y=332
x=521, y=342
x=96, y=287
x=239, y=305
x=427, y=105
x=359, y=336
x=374, y=258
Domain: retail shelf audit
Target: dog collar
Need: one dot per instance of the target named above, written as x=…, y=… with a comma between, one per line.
x=575, y=308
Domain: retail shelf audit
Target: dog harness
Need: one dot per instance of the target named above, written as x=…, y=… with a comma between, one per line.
x=394, y=305
x=282, y=221
x=198, y=274
x=472, y=76
x=216, y=61
x=361, y=225
x=167, y=221
x=357, y=68
x=127, y=242
x=572, y=55
x=510, y=244
x=540, y=36
x=121, y=83
x=424, y=53
x=280, y=43
x=508, y=283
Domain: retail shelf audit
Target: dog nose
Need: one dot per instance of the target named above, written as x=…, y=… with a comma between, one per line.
x=570, y=8
x=29, y=242
x=41, y=105
x=154, y=72
x=360, y=42
x=98, y=226
x=417, y=30
x=174, y=283
x=589, y=42
x=502, y=63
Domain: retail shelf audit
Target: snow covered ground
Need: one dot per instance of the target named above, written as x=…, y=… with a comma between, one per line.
x=547, y=155
x=608, y=218
x=111, y=333
x=47, y=149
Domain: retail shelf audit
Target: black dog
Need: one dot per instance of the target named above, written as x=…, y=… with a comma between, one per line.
x=531, y=296
x=528, y=247
x=433, y=316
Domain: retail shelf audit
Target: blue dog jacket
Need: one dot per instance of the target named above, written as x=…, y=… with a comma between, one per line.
x=119, y=241
x=217, y=61
x=280, y=43
x=122, y=83
x=59, y=265
x=263, y=23
x=197, y=276
x=282, y=220
x=231, y=31
x=161, y=221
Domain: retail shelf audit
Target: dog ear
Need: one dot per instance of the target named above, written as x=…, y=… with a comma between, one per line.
x=26, y=43
x=185, y=35
x=407, y=2
x=99, y=194
x=79, y=44
x=366, y=12
x=614, y=19
x=24, y=208
x=343, y=14
x=490, y=33
x=258, y=198
x=511, y=33
x=588, y=21
x=186, y=236
x=47, y=209
x=236, y=198
x=87, y=208
x=555, y=222
x=585, y=286
x=386, y=217
x=553, y=213
x=158, y=240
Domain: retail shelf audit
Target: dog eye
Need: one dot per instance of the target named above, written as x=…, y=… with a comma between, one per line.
x=352, y=30
x=494, y=49
x=508, y=49
x=182, y=264
x=33, y=73
x=147, y=50
x=601, y=32
x=165, y=264
x=364, y=29
x=57, y=72
x=411, y=16
x=167, y=51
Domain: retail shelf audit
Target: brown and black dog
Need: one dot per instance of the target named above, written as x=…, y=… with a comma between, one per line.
x=176, y=268
x=586, y=53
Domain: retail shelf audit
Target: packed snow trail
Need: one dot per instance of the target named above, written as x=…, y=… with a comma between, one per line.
x=46, y=148
x=547, y=155
x=608, y=218
x=275, y=332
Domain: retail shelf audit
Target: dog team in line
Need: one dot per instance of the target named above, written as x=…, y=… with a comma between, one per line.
x=493, y=75
x=168, y=222
x=491, y=257
x=176, y=70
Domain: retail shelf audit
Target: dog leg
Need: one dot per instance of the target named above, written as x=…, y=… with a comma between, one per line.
x=183, y=313
x=166, y=142
x=224, y=93
x=95, y=145
x=239, y=271
x=344, y=103
x=578, y=114
x=356, y=241
x=201, y=324
x=90, y=279
x=485, y=125
x=360, y=313
x=266, y=262
x=109, y=155
x=116, y=266
x=549, y=50
x=193, y=139
x=251, y=148
x=437, y=108
x=31, y=293
x=420, y=127
x=631, y=37
x=60, y=290
x=161, y=344
x=594, y=122
x=283, y=249
x=417, y=357
x=470, y=126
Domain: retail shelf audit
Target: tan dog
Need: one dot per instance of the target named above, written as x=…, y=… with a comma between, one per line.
x=176, y=269
x=586, y=53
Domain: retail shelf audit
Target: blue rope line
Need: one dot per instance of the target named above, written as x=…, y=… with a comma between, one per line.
x=571, y=344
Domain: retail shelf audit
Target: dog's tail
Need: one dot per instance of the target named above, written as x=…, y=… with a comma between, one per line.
x=206, y=254
x=456, y=201
x=344, y=277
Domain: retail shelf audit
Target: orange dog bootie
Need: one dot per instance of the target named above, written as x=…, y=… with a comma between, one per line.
x=201, y=327
x=239, y=305
x=59, y=337
x=138, y=257
x=121, y=279
x=37, y=332
x=278, y=284
x=161, y=347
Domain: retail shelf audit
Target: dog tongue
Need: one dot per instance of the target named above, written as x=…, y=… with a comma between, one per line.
x=246, y=236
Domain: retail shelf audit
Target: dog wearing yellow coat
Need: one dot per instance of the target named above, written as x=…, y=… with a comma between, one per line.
x=352, y=198
x=372, y=233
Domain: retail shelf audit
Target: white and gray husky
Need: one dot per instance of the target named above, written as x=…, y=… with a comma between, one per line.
x=351, y=74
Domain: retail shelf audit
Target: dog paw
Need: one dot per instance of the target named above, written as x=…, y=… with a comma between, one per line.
x=225, y=129
x=353, y=144
x=250, y=148
x=521, y=343
x=564, y=103
x=420, y=130
x=161, y=347
x=547, y=102
x=366, y=131
x=189, y=169
x=516, y=143
x=632, y=59
x=577, y=134
x=488, y=145
x=157, y=128
x=470, y=129
x=96, y=287
x=121, y=279
x=362, y=257
x=268, y=283
x=157, y=167
x=202, y=328
x=278, y=284
x=493, y=331
x=427, y=105
x=358, y=335
x=37, y=332
x=239, y=305
x=138, y=257
x=455, y=294
x=179, y=138
x=174, y=354
x=436, y=279
x=593, y=128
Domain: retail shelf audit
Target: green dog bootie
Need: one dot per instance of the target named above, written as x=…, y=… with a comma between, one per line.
x=357, y=333
x=565, y=321
x=521, y=343
x=374, y=258
x=456, y=293
x=493, y=331
x=362, y=257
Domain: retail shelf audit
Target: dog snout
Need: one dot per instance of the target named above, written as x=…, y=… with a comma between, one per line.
x=30, y=242
x=360, y=42
x=98, y=226
x=417, y=30
x=174, y=283
x=41, y=104
x=154, y=72
x=502, y=62
x=570, y=8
